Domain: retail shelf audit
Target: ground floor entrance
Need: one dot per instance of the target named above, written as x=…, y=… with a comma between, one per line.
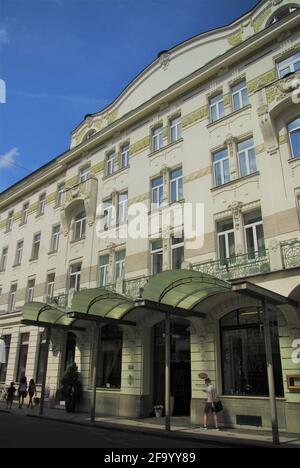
x=180, y=366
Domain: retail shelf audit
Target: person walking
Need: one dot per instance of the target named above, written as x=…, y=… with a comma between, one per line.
x=31, y=393
x=211, y=404
x=22, y=392
x=10, y=396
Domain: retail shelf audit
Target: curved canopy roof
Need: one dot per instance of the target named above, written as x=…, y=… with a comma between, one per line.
x=45, y=315
x=183, y=288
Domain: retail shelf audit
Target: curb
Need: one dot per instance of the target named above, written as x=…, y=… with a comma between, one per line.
x=213, y=440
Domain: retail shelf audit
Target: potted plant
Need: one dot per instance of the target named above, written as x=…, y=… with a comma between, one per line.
x=71, y=388
x=158, y=410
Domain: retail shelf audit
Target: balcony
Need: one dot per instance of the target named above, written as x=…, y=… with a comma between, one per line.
x=134, y=287
x=240, y=266
x=58, y=301
x=290, y=251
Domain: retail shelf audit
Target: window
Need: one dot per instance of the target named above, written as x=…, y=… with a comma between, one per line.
x=177, y=249
x=254, y=234
x=103, y=271
x=123, y=208
x=294, y=134
x=89, y=135
x=247, y=157
x=50, y=285
x=226, y=240
x=110, y=163
x=19, y=253
x=289, y=65
x=3, y=367
x=3, y=259
x=120, y=264
x=84, y=174
x=221, y=167
x=282, y=13
x=30, y=290
x=216, y=105
x=36, y=246
x=240, y=97
x=40, y=371
x=156, y=257
x=9, y=221
x=80, y=226
x=75, y=271
x=125, y=155
x=157, y=193
x=55, y=238
x=12, y=298
x=176, y=185
x=41, y=204
x=23, y=353
x=157, y=138
x=243, y=354
x=25, y=213
x=60, y=194
x=108, y=212
x=175, y=129
x=110, y=364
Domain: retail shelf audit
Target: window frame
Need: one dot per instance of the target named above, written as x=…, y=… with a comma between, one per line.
x=175, y=124
x=36, y=244
x=290, y=139
x=153, y=252
x=178, y=182
x=246, y=151
x=125, y=155
x=77, y=275
x=221, y=163
x=19, y=253
x=80, y=225
x=216, y=105
x=288, y=63
x=239, y=93
x=157, y=138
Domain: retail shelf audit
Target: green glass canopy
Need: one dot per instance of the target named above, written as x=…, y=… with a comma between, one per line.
x=46, y=315
x=183, y=288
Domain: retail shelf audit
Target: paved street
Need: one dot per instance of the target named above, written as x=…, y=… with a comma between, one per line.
x=23, y=432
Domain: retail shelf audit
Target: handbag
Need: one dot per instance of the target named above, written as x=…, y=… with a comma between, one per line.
x=219, y=406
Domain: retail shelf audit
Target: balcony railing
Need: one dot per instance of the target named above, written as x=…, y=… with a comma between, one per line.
x=59, y=301
x=134, y=287
x=290, y=251
x=239, y=266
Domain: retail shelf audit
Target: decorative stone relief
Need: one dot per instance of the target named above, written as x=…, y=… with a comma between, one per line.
x=267, y=128
x=236, y=208
x=164, y=60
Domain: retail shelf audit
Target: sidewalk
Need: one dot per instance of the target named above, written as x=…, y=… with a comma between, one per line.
x=181, y=428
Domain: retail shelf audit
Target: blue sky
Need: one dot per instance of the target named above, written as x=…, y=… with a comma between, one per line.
x=62, y=59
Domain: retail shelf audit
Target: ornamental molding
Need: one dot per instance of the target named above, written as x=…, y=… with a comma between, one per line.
x=164, y=60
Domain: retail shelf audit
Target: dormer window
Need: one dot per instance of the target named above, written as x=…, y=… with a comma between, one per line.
x=282, y=13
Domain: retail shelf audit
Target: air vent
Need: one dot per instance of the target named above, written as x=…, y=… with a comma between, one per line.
x=245, y=420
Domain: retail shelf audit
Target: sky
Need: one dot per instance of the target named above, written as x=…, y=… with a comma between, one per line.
x=63, y=59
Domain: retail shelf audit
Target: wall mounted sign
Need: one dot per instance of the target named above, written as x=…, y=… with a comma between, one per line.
x=202, y=376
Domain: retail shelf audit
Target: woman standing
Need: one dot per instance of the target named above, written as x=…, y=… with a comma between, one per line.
x=22, y=393
x=31, y=392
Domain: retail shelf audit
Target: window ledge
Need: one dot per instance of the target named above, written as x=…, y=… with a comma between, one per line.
x=35, y=259
x=234, y=181
x=294, y=160
x=52, y=252
x=232, y=114
x=8, y=231
x=39, y=215
x=23, y=224
x=108, y=176
x=76, y=241
x=16, y=265
x=169, y=145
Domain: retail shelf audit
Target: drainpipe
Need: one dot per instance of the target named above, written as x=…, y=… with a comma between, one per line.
x=95, y=372
x=271, y=379
x=168, y=373
x=48, y=338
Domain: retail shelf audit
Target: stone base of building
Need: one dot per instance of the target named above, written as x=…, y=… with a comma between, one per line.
x=251, y=412
x=118, y=404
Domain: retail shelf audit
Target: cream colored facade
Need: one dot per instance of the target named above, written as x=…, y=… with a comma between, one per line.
x=180, y=83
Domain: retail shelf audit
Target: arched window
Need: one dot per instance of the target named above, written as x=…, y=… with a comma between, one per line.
x=80, y=226
x=282, y=13
x=89, y=135
x=243, y=353
x=294, y=135
x=110, y=362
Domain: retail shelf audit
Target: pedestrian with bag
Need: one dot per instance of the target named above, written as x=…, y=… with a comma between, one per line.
x=212, y=404
x=31, y=392
x=22, y=392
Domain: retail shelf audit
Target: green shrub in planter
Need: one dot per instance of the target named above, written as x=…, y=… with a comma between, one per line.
x=71, y=388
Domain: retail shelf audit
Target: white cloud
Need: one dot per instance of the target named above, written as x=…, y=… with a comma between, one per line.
x=4, y=38
x=8, y=159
